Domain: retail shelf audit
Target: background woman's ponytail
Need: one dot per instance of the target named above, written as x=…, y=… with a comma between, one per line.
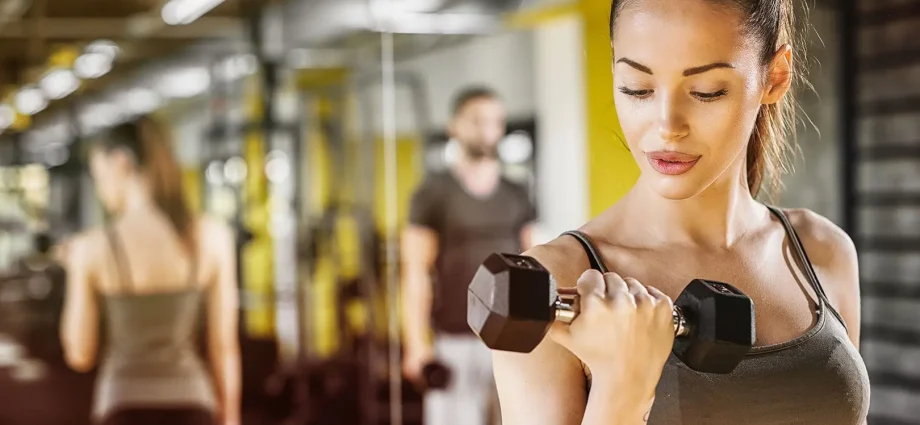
x=149, y=143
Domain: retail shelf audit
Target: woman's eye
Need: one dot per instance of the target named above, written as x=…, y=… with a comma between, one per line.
x=709, y=97
x=635, y=93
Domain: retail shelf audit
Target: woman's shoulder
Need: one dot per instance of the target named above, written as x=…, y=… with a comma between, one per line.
x=211, y=229
x=827, y=245
x=564, y=257
x=833, y=256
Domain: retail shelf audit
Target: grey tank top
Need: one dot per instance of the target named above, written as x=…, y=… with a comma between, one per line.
x=150, y=358
x=818, y=378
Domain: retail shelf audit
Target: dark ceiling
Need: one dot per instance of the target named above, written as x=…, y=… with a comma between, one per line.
x=31, y=31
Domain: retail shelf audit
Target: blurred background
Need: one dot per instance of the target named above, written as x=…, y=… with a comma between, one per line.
x=307, y=124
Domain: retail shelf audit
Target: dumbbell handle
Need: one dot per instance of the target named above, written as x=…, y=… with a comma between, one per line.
x=567, y=307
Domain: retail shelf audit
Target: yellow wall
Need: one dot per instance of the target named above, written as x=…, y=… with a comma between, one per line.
x=612, y=171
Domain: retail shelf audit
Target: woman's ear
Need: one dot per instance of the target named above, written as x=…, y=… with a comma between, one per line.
x=779, y=75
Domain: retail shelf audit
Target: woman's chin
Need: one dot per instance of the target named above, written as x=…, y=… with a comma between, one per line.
x=676, y=188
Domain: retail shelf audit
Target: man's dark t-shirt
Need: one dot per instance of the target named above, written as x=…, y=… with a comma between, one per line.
x=469, y=228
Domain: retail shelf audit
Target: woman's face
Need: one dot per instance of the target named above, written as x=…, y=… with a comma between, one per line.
x=688, y=85
x=110, y=171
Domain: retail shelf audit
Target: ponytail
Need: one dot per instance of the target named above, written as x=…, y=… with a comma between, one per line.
x=146, y=140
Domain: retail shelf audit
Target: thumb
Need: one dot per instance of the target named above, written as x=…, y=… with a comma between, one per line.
x=591, y=284
x=592, y=290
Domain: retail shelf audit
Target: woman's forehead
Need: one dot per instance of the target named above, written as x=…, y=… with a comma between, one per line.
x=677, y=35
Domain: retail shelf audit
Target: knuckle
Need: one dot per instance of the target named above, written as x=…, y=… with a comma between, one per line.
x=625, y=301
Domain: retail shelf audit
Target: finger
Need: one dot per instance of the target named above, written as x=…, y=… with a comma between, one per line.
x=639, y=292
x=591, y=292
x=616, y=286
x=591, y=284
x=659, y=296
x=636, y=288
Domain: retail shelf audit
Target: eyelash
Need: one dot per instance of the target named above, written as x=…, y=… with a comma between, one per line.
x=702, y=97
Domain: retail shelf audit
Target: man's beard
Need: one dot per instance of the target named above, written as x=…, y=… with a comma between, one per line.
x=481, y=153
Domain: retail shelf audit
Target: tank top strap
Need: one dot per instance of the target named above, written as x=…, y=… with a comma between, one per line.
x=802, y=257
x=121, y=260
x=193, y=269
x=597, y=263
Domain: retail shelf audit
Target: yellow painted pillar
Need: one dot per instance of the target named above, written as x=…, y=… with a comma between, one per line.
x=323, y=308
x=257, y=259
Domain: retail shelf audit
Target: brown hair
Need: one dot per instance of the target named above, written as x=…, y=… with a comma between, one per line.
x=469, y=94
x=148, y=143
x=768, y=153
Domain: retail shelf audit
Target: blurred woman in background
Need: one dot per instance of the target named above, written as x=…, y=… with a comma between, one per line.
x=148, y=270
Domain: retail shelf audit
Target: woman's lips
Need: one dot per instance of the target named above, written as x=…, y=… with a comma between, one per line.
x=672, y=163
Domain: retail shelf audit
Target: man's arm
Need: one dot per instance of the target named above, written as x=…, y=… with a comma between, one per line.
x=528, y=221
x=527, y=236
x=419, y=250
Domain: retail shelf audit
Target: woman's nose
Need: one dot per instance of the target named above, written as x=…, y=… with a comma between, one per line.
x=673, y=125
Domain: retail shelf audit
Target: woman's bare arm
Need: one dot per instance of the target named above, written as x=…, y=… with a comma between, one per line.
x=547, y=386
x=223, y=317
x=80, y=318
x=543, y=387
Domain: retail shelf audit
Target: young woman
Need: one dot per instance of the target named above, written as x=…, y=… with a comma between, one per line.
x=147, y=272
x=702, y=96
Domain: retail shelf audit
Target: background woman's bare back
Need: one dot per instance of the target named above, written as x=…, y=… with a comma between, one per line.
x=155, y=256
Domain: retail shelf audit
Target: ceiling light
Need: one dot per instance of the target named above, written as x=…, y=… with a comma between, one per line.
x=416, y=5
x=140, y=101
x=59, y=83
x=100, y=115
x=236, y=67
x=30, y=100
x=184, y=12
x=185, y=83
x=92, y=65
x=105, y=47
x=436, y=23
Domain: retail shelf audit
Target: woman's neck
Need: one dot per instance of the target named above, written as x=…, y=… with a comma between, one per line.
x=715, y=219
x=137, y=198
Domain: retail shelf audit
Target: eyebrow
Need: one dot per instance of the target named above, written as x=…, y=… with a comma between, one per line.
x=687, y=72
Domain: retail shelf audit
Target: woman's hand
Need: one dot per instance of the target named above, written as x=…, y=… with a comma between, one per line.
x=623, y=333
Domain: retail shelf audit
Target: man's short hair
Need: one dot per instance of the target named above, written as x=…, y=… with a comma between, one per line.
x=469, y=94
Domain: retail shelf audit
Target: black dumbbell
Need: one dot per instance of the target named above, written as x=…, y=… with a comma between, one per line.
x=513, y=300
x=436, y=376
